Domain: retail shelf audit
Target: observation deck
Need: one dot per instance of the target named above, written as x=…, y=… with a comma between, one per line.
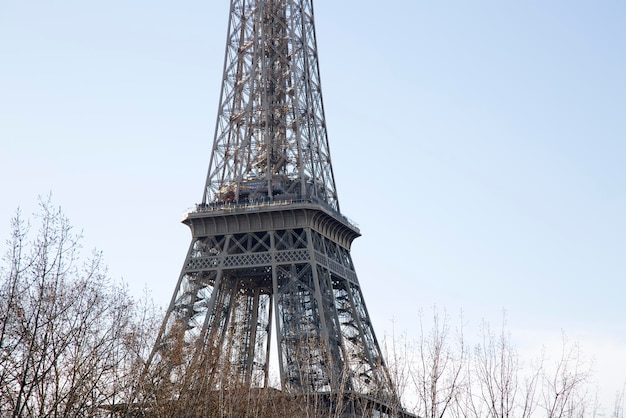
x=262, y=215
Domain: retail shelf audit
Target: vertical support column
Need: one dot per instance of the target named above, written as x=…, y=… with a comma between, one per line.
x=269, y=336
x=276, y=300
x=252, y=325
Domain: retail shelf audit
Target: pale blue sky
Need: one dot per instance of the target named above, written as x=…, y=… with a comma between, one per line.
x=479, y=145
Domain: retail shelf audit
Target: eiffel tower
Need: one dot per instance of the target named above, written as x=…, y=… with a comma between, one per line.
x=269, y=267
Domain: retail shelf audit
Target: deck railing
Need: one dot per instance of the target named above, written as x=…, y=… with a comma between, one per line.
x=250, y=206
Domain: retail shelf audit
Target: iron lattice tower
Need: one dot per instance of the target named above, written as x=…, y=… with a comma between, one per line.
x=270, y=247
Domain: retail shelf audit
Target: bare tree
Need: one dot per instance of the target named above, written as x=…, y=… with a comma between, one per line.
x=565, y=391
x=399, y=353
x=495, y=374
x=618, y=407
x=449, y=382
x=495, y=388
x=168, y=390
x=438, y=372
x=70, y=341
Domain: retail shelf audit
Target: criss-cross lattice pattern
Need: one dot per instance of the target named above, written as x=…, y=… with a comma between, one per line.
x=231, y=284
x=270, y=139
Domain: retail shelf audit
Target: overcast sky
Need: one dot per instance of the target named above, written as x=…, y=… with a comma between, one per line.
x=479, y=145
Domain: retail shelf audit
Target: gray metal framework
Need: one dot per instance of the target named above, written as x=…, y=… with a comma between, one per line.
x=270, y=250
x=270, y=135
